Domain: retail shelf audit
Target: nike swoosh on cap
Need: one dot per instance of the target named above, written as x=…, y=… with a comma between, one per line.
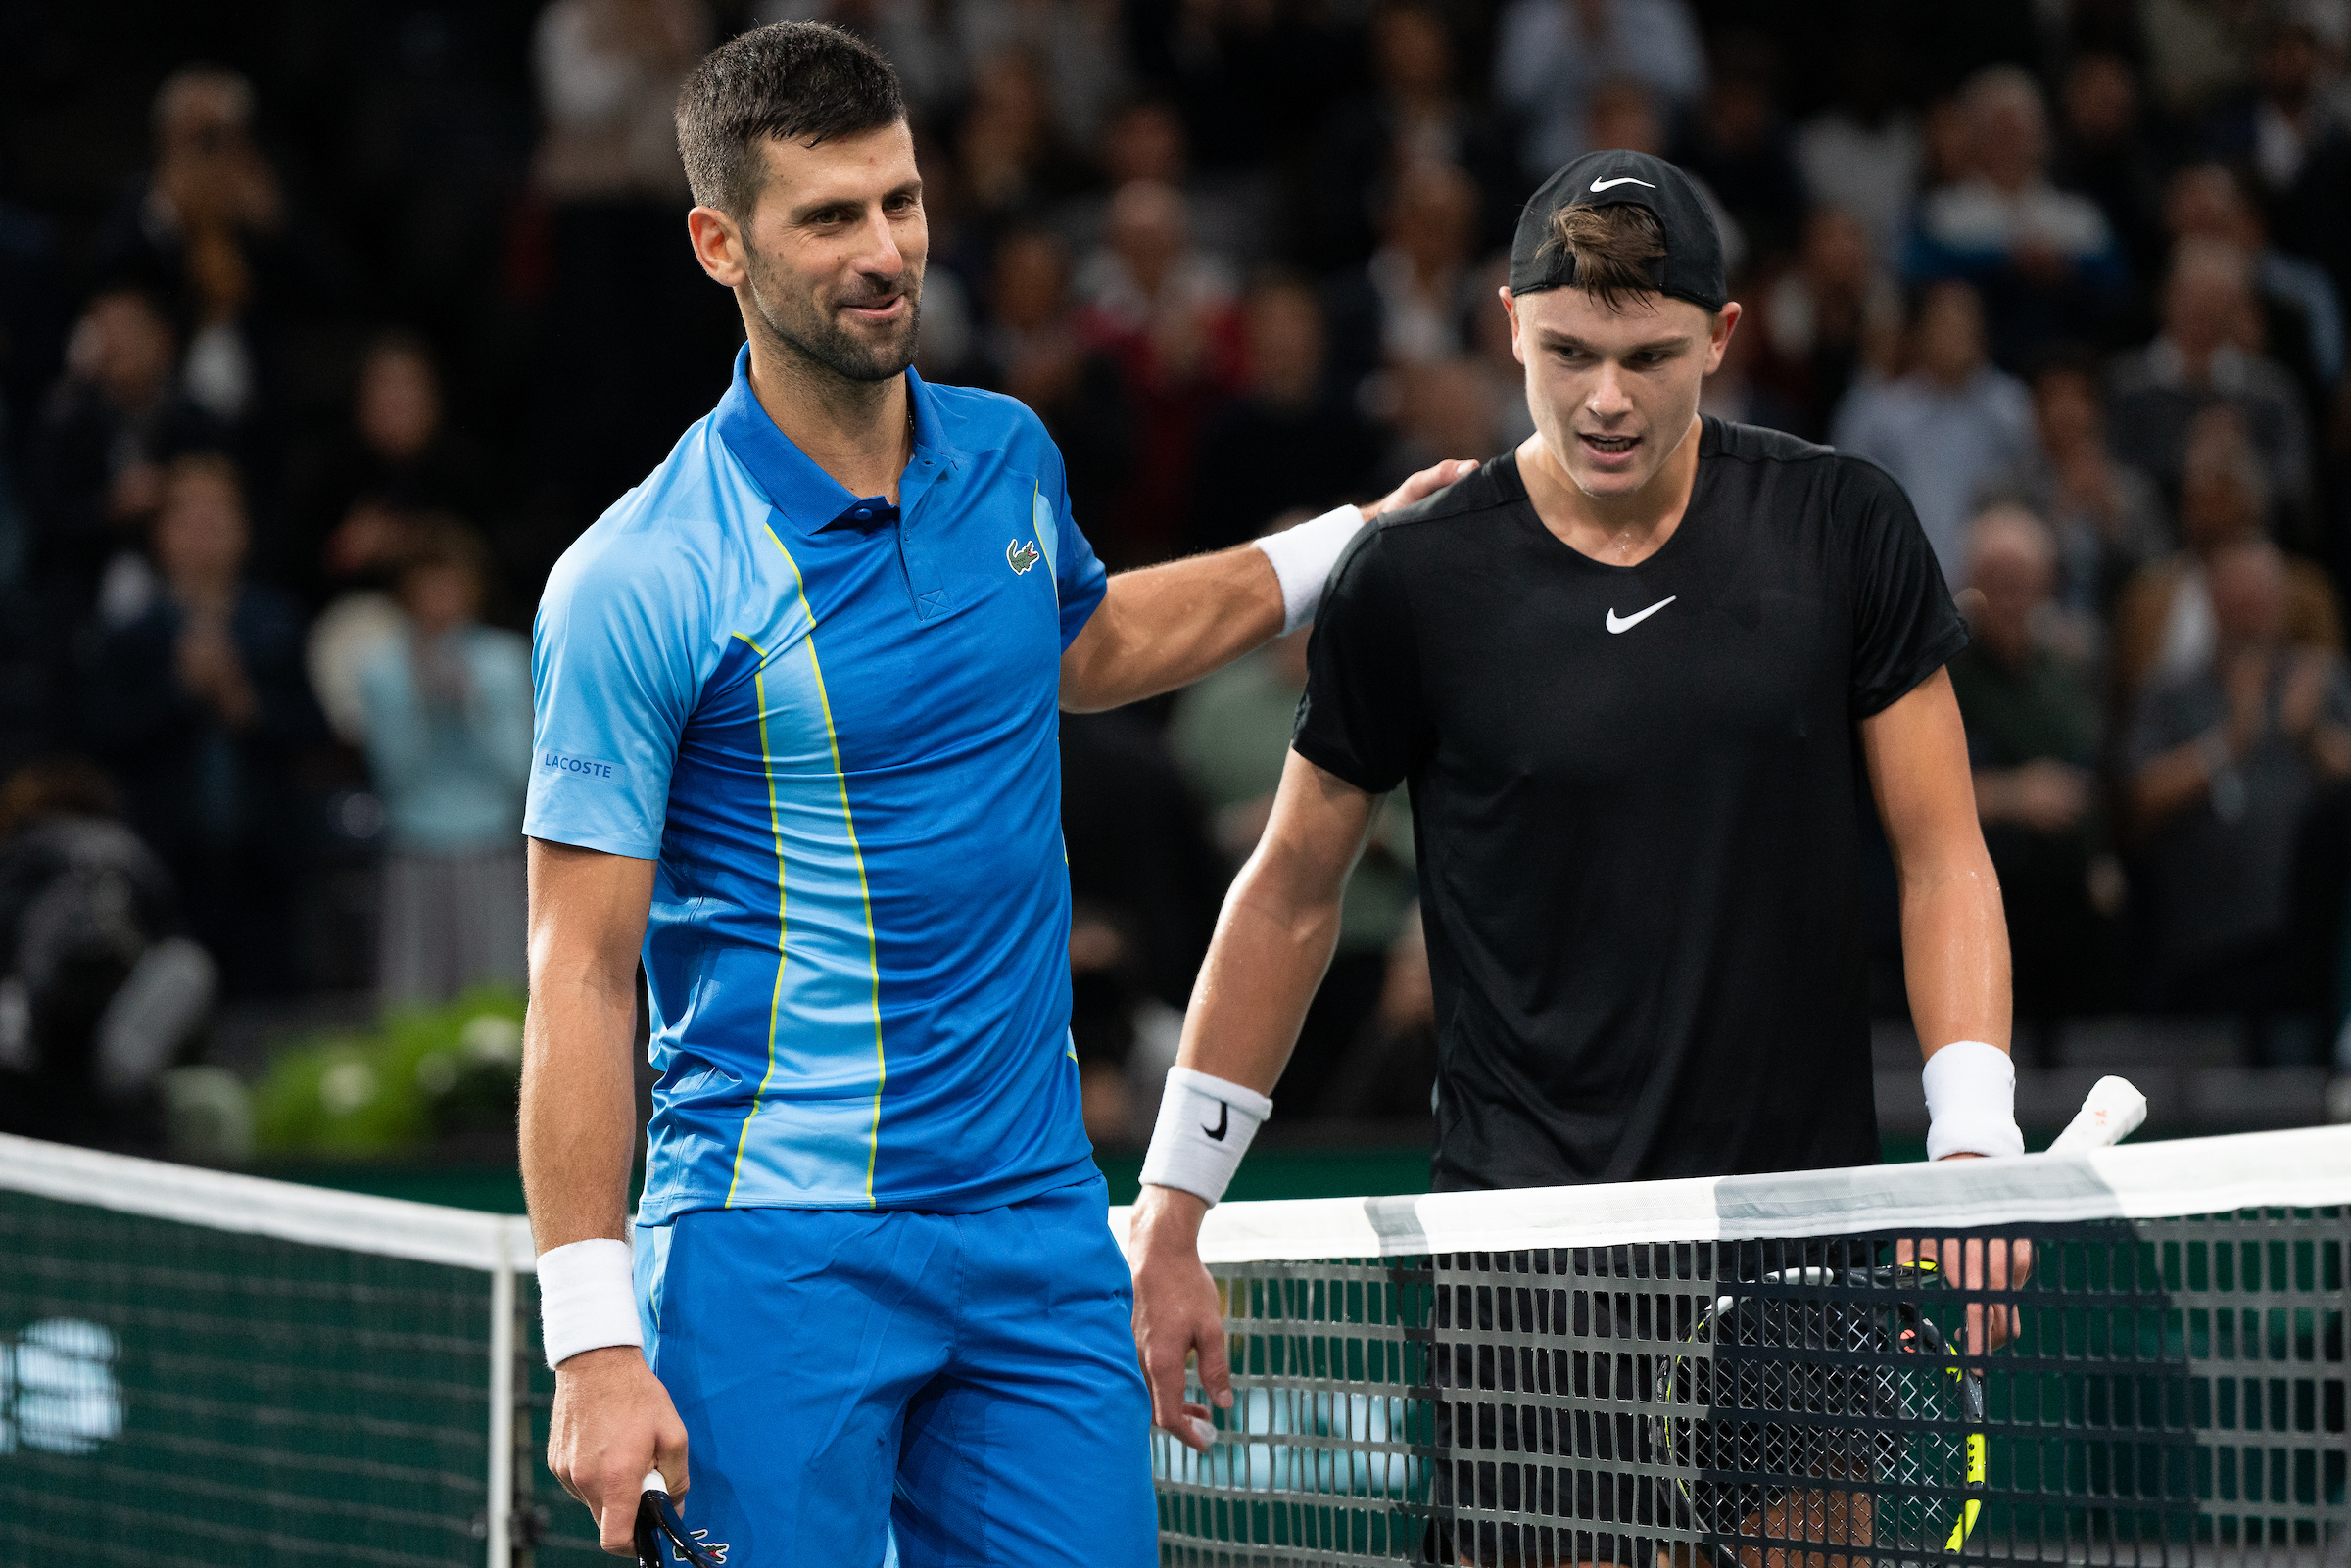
x=1621, y=180
x=1626, y=623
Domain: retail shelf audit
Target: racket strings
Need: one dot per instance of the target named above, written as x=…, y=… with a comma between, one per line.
x=1797, y=1392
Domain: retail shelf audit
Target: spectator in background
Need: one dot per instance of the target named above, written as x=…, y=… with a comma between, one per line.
x=209, y=228
x=638, y=327
x=1949, y=426
x=2289, y=115
x=2032, y=740
x=1074, y=45
x=1827, y=320
x=1553, y=57
x=1164, y=314
x=1230, y=733
x=1010, y=155
x=2302, y=316
x=1031, y=349
x=97, y=995
x=1414, y=114
x=1291, y=438
x=447, y=723
x=2163, y=620
x=2105, y=151
x=199, y=706
x=2044, y=259
x=2225, y=764
x=2107, y=517
x=97, y=461
x=2206, y=356
x=1860, y=154
x=1736, y=143
x=399, y=457
x=1411, y=303
x=1736, y=391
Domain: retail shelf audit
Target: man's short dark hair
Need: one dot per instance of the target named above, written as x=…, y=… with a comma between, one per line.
x=806, y=81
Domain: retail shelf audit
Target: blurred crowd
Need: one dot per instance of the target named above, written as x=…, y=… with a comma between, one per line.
x=313, y=357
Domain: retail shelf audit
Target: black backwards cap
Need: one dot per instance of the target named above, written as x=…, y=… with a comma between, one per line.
x=1691, y=267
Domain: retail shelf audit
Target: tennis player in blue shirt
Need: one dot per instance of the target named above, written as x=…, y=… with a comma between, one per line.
x=795, y=747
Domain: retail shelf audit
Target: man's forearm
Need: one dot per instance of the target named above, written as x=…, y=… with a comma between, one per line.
x=1165, y=627
x=1258, y=979
x=1955, y=954
x=579, y=1106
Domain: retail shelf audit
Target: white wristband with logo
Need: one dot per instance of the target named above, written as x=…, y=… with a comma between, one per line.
x=1303, y=557
x=587, y=1299
x=1205, y=1126
x=1971, y=1101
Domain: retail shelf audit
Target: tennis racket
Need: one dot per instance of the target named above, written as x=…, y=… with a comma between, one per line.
x=657, y=1521
x=1816, y=1376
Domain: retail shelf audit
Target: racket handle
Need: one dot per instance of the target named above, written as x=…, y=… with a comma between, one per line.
x=654, y=1483
x=2112, y=1113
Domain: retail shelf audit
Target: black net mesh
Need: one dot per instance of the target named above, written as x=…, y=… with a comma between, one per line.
x=2165, y=1390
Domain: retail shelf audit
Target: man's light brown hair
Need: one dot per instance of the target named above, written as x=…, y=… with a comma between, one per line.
x=1613, y=248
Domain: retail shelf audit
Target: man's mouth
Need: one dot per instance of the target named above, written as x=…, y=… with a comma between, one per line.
x=888, y=309
x=1607, y=447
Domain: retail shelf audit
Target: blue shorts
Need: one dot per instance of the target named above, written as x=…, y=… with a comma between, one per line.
x=967, y=1381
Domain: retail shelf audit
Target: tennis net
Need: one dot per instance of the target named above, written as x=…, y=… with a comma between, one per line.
x=206, y=1368
x=1794, y=1370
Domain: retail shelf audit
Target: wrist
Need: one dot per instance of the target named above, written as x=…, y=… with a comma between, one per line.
x=1971, y=1101
x=1303, y=557
x=588, y=1300
x=1205, y=1126
x=1166, y=1216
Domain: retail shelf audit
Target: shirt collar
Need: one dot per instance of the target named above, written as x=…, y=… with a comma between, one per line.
x=810, y=498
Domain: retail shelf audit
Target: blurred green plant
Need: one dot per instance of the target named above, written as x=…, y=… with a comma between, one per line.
x=422, y=1076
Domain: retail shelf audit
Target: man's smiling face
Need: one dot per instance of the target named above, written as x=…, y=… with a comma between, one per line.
x=1614, y=392
x=837, y=247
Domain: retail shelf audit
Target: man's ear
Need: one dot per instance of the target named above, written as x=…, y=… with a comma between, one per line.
x=1510, y=307
x=1719, y=330
x=718, y=245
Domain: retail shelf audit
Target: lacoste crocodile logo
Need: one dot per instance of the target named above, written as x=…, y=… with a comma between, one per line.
x=1020, y=556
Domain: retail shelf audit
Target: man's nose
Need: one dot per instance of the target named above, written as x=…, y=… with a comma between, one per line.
x=878, y=251
x=1608, y=398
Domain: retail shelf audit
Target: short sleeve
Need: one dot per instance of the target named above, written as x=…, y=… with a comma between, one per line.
x=1905, y=626
x=1080, y=580
x=614, y=677
x=1361, y=716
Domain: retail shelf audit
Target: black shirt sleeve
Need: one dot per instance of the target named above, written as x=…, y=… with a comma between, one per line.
x=1362, y=717
x=1905, y=626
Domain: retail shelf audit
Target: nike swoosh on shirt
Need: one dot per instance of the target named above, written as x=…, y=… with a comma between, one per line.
x=1621, y=180
x=1625, y=623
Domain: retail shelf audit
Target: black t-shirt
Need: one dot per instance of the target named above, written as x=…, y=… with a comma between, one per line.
x=1637, y=797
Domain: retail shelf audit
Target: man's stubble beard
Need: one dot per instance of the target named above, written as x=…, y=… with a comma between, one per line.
x=819, y=341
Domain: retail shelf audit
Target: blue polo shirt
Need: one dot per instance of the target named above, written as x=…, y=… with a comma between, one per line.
x=833, y=725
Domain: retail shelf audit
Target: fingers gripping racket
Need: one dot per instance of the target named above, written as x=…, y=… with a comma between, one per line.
x=1816, y=1375
x=657, y=1521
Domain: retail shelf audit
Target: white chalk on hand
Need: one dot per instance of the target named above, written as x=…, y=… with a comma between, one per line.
x=2112, y=1113
x=1203, y=1430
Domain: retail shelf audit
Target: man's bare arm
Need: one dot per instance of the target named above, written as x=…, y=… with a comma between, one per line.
x=1955, y=935
x=1167, y=626
x=1274, y=942
x=612, y=1420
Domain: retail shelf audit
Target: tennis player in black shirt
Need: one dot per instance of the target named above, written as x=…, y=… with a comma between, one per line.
x=1636, y=673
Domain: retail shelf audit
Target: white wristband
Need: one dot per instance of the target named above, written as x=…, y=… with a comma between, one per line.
x=1971, y=1101
x=1205, y=1126
x=587, y=1299
x=1303, y=557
